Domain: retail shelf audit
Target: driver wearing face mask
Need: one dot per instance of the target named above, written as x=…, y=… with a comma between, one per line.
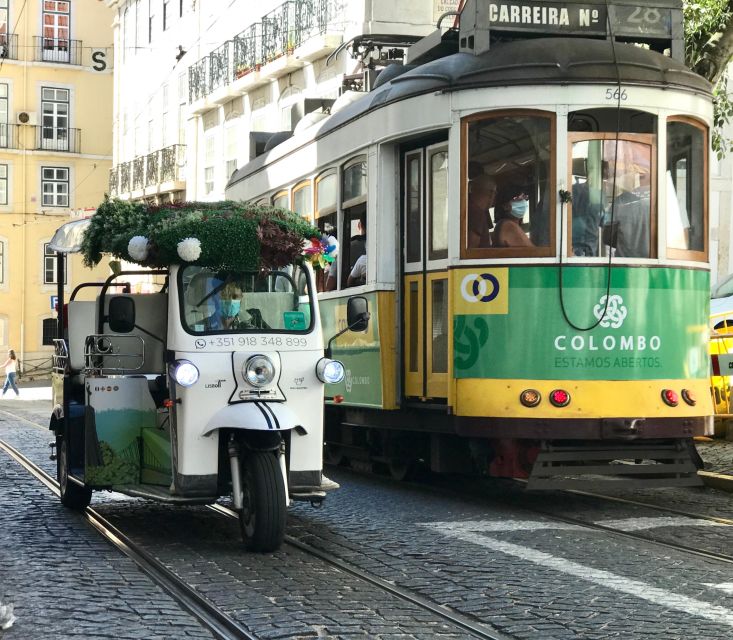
x=512, y=211
x=228, y=307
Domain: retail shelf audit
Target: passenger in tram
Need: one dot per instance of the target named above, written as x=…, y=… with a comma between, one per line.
x=357, y=276
x=627, y=221
x=481, y=197
x=587, y=216
x=513, y=208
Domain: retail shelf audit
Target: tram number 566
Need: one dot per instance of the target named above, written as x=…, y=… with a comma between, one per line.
x=616, y=94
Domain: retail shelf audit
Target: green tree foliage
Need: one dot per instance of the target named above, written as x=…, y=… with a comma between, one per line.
x=708, y=50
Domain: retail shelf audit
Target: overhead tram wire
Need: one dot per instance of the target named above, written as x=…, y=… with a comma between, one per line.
x=565, y=198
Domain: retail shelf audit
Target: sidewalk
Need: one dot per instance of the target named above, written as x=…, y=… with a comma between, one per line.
x=30, y=390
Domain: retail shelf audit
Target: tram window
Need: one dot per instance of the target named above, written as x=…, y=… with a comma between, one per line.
x=413, y=197
x=281, y=200
x=439, y=328
x=355, y=180
x=438, y=206
x=303, y=200
x=599, y=221
x=326, y=193
x=509, y=191
x=685, y=180
x=353, y=203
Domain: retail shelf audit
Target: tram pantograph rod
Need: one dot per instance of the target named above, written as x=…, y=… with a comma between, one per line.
x=209, y=615
x=475, y=629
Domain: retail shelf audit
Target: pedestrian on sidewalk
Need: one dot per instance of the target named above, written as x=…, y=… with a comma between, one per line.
x=11, y=370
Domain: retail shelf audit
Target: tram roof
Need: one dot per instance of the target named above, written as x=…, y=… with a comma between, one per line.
x=539, y=61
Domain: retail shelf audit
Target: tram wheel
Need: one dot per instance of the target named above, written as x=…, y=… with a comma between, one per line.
x=263, y=515
x=73, y=495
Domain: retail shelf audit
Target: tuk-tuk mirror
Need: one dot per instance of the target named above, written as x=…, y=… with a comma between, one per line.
x=357, y=313
x=121, y=315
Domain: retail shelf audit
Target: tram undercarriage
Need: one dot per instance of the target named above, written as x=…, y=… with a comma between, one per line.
x=581, y=454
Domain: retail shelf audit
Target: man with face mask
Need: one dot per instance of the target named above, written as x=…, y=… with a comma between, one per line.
x=511, y=212
x=228, y=307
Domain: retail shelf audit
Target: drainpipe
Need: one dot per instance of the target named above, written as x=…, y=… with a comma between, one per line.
x=24, y=212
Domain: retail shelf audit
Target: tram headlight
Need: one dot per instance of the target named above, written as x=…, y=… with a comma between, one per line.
x=259, y=371
x=184, y=372
x=330, y=371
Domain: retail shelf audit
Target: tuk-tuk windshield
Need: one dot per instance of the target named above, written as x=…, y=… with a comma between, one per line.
x=244, y=301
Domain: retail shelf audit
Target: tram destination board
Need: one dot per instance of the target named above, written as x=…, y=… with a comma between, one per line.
x=655, y=19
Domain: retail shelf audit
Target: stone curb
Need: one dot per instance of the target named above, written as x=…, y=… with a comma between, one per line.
x=716, y=480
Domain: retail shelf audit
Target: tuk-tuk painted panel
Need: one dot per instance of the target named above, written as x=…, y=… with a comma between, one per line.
x=118, y=409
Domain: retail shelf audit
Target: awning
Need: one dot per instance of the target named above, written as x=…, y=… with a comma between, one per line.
x=68, y=237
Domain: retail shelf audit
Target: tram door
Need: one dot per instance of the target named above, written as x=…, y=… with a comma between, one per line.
x=425, y=276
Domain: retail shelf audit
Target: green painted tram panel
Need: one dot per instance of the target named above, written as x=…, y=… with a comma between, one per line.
x=655, y=325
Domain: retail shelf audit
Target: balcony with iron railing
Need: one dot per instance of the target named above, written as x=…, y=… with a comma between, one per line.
x=138, y=173
x=265, y=50
x=9, y=46
x=158, y=172
x=113, y=188
x=62, y=139
x=61, y=50
x=9, y=136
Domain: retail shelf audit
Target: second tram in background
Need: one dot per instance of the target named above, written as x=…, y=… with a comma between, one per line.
x=533, y=189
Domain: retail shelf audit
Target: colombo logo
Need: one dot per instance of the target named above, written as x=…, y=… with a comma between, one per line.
x=612, y=316
x=479, y=287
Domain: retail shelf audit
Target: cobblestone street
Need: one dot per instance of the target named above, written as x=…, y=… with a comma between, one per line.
x=490, y=559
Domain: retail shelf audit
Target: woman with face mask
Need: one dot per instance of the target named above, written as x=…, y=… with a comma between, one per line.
x=228, y=307
x=512, y=210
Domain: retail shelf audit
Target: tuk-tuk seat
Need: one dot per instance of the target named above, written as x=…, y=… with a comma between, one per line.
x=82, y=322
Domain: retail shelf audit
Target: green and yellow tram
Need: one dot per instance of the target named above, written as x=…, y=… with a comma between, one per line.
x=533, y=187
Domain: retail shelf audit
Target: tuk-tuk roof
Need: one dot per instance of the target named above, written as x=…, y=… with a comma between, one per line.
x=68, y=237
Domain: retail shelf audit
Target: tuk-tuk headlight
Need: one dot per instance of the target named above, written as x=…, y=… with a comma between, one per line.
x=330, y=371
x=184, y=372
x=259, y=371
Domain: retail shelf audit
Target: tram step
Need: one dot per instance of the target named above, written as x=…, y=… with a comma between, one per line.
x=579, y=467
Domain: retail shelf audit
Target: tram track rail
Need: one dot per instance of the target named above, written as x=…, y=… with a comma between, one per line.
x=213, y=619
x=477, y=630
x=203, y=609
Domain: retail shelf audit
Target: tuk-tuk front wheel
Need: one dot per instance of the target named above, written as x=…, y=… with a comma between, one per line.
x=264, y=509
x=73, y=495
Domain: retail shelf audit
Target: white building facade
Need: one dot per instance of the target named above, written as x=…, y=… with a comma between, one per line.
x=197, y=80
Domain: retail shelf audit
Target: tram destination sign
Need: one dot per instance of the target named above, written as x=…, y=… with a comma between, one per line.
x=649, y=20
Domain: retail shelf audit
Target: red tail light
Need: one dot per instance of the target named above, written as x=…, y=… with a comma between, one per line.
x=338, y=399
x=559, y=398
x=670, y=397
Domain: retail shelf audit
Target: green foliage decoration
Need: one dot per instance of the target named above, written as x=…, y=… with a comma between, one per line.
x=233, y=235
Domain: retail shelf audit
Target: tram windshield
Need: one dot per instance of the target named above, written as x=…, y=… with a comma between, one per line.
x=244, y=301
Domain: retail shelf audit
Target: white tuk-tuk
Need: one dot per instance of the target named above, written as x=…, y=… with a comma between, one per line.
x=212, y=385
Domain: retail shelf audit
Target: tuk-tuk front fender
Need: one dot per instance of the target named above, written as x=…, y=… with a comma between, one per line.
x=254, y=416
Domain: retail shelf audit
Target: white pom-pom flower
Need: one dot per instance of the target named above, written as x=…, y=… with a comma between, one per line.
x=138, y=248
x=189, y=249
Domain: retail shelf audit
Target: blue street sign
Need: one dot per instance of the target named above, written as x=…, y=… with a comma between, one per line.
x=54, y=302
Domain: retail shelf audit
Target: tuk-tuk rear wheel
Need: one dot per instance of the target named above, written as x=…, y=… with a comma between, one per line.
x=264, y=510
x=73, y=496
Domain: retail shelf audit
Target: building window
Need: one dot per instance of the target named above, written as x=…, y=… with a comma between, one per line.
x=166, y=14
x=50, y=326
x=3, y=184
x=55, y=122
x=151, y=17
x=209, y=160
x=2, y=262
x=55, y=186
x=50, y=274
x=4, y=22
x=56, y=30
